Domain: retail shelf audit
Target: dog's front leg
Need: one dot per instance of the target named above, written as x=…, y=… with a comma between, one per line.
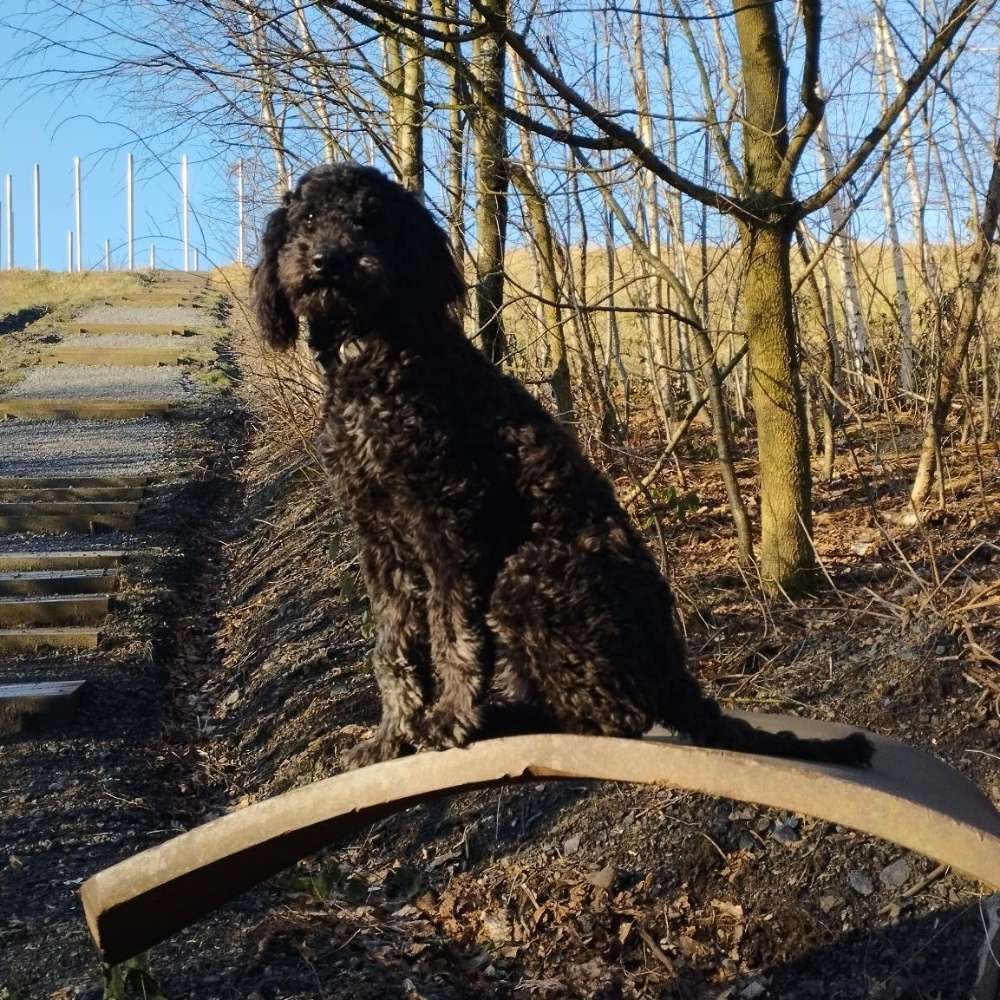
x=401, y=659
x=461, y=652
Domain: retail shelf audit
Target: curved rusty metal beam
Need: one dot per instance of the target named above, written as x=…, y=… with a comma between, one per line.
x=907, y=797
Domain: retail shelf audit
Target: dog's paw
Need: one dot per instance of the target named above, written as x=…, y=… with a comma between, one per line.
x=382, y=746
x=443, y=729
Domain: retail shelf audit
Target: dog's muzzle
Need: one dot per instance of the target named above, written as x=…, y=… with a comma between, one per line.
x=332, y=262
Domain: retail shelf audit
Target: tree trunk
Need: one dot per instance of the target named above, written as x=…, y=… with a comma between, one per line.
x=857, y=329
x=318, y=99
x=537, y=216
x=786, y=554
x=411, y=138
x=902, y=299
x=917, y=191
x=455, y=181
x=964, y=326
x=491, y=188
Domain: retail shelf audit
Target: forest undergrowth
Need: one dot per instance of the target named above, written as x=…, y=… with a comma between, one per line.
x=604, y=890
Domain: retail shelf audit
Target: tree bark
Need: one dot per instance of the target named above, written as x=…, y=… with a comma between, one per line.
x=489, y=125
x=786, y=554
x=455, y=182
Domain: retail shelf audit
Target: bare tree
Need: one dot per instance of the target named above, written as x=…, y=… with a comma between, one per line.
x=967, y=299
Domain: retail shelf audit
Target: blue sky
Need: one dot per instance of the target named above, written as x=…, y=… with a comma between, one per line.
x=50, y=120
x=50, y=125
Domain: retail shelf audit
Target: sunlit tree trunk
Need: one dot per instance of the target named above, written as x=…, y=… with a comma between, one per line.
x=455, y=175
x=857, y=328
x=489, y=126
x=786, y=554
x=902, y=298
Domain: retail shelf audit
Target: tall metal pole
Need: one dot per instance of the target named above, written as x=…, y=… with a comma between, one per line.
x=152, y=256
x=107, y=255
x=184, y=208
x=239, y=202
x=38, y=218
x=69, y=250
x=79, y=214
x=9, y=209
x=197, y=262
x=130, y=211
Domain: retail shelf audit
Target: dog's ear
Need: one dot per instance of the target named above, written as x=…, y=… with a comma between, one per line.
x=436, y=277
x=277, y=322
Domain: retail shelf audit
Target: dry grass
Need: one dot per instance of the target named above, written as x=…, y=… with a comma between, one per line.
x=53, y=290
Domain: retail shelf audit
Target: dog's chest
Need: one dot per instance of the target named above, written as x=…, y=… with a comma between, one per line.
x=371, y=425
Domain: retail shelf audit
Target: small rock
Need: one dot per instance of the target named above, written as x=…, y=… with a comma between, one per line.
x=861, y=883
x=785, y=833
x=753, y=990
x=895, y=875
x=604, y=879
x=763, y=824
x=828, y=902
x=571, y=845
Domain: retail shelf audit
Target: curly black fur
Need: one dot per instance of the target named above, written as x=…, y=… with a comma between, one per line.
x=509, y=588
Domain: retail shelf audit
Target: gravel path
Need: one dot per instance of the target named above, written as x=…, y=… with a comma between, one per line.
x=103, y=382
x=83, y=447
x=137, y=315
x=112, y=541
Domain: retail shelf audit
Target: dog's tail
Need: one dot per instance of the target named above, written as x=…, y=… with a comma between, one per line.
x=707, y=726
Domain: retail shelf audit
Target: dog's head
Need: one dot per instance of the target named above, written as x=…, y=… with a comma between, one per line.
x=350, y=250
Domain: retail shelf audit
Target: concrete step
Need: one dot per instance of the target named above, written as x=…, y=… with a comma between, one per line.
x=86, y=409
x=30, y=640
x=87, y=609
x=59, y=560
x=70, y=494
x=61, y=524
x=44, y=582
x=24, y=706
x=140, y=329
x=72, y=482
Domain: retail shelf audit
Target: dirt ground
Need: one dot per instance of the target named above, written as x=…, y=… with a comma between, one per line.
x=255, y=662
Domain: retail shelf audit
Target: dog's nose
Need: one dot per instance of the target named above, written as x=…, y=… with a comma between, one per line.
x=331, y=261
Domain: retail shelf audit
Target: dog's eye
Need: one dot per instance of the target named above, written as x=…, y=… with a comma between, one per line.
x=369, y=208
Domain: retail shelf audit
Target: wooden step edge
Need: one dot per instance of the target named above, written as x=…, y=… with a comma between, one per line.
x=37, y=705
x=62, y=524
x=92, y=494
x=64, y=583
x=71, y=482
x=119, y=357
x=138, y=329
x=71, y=507
x=66, y=559
x=85, y=409
x=27, y=640
x=58, y=609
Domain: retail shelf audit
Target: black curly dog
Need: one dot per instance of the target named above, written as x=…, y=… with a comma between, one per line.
x=510, y=591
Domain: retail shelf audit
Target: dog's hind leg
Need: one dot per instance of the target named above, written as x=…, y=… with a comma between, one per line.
x=401, y=660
